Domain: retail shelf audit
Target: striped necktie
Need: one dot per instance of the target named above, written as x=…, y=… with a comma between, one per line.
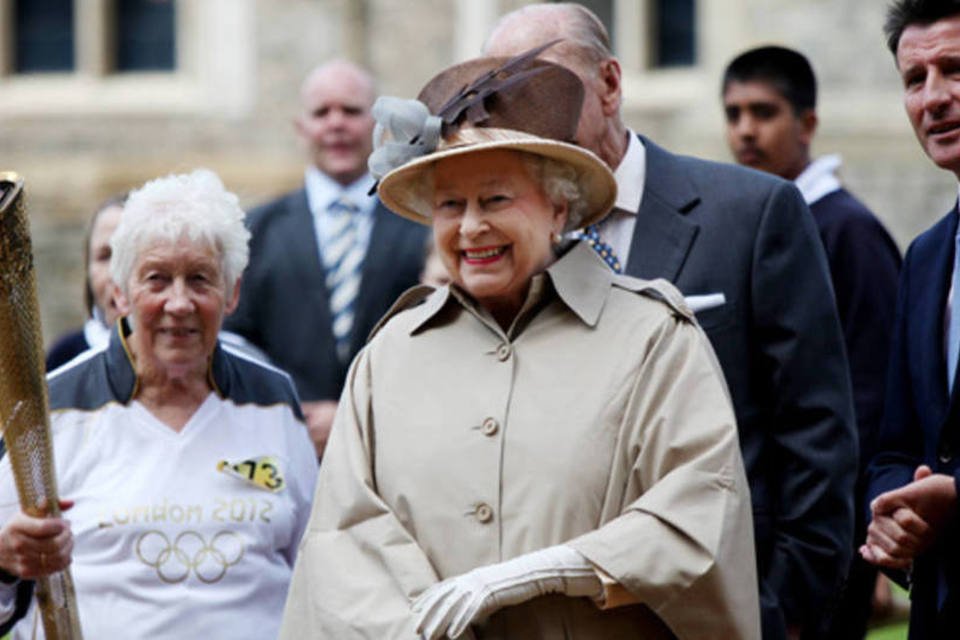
x=591, y=235
x=343, y=257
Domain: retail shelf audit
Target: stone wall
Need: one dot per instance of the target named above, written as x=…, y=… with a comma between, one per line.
x=72, y=159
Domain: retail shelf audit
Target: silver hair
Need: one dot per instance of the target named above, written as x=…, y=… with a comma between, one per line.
x=195, y=206
x=582, y=31
x=558, y=180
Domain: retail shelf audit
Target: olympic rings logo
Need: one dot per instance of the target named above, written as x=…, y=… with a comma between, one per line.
x=190, y=552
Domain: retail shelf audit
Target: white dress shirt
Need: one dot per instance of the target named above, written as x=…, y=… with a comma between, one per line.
x=617, y=228
x=819, y=178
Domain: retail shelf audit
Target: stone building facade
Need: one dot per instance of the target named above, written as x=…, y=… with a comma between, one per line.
x=81, y=135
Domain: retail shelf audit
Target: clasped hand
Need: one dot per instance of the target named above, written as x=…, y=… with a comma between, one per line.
x=35, y=547
x=906, y=521
x=449, y=607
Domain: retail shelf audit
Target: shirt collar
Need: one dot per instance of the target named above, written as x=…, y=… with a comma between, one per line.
x=630, y=174
x=819, y=179
x=322, y=191
x=579, y=279
x=96, y=333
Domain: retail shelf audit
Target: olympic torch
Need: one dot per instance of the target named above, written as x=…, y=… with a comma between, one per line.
x=23, y=398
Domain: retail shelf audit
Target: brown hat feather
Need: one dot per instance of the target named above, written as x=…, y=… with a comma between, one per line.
x=521, y=93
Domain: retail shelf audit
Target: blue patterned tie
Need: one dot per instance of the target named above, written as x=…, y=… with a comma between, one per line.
x=591, y=235
x=953, y=336
x=343, y=257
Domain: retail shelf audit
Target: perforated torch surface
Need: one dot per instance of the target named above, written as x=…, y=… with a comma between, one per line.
x=23, y=397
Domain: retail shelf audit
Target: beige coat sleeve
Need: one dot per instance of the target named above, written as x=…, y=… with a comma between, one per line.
x=358, y=568
x=683, y=543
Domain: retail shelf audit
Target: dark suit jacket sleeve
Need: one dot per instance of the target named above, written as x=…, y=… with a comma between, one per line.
x=814, y=442
x=864, y=268
x=899, y=447
x=900, y=441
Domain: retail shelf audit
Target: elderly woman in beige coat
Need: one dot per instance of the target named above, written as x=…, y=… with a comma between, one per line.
x=543, y=448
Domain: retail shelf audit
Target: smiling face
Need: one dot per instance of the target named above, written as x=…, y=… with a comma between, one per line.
x=928, y=58
x=176, y=297
x=98, y=267
x=336, y=123
x=764, y=132
x=493, y=225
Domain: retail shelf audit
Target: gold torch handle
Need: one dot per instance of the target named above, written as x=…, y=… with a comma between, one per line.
x=23, y=399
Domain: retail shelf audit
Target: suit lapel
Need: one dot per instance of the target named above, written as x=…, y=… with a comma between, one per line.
x=304, y=251
x=663, y=235
x=930, y=314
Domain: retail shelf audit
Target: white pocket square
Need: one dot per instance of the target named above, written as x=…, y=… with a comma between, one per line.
x=704, y=302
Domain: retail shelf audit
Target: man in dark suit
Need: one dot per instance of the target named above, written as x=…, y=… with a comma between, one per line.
x=769, y=97
x=328, y=260
x=742, y=246
x=912, y=479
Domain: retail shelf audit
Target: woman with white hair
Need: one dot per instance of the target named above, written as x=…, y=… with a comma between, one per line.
x=188, y=466
x=542, y=449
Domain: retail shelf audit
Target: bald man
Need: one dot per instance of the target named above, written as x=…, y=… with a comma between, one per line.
x=327, y=260
x=742, y=246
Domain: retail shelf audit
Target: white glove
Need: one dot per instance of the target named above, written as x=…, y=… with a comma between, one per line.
x=449, y=607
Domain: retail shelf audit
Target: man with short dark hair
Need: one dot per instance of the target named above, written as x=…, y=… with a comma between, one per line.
x=770, y=101
x=769, y=97
x=913, y=478
x=328, y=260
x=743, y=248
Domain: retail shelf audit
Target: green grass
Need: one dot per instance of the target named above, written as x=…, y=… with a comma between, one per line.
x=893, y=632
x=896, y=631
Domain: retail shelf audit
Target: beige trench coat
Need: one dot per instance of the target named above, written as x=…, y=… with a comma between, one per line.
x=600, y=420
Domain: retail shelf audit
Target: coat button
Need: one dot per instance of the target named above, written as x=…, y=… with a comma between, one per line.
x=503, y=352
x=946, y=456
x=484, y=512
x=489, y=427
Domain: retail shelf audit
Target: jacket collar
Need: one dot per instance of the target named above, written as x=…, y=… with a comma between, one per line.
x=579, y=279
x=666, y=179
x=582, y=280
x=660, y=246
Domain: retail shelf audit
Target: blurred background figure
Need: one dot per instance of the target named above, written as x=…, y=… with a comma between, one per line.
x=97, y=287
x=190, y=466
x=769, y=98
x=327, y=260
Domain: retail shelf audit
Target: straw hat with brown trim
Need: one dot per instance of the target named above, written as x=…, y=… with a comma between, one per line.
x=519, y=103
